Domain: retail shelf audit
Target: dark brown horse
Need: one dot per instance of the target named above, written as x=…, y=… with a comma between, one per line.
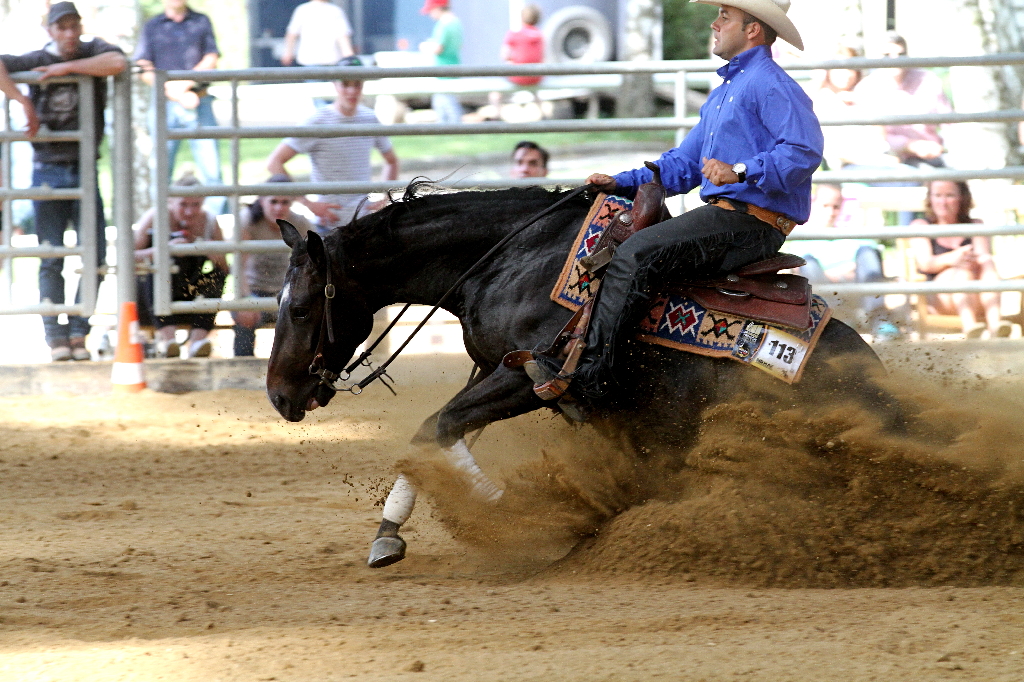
x=415, y=249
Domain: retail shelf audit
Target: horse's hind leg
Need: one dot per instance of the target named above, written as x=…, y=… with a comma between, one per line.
x=389, y=547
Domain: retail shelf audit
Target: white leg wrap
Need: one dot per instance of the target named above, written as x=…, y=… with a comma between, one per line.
x=462, y=459
x=401, y=499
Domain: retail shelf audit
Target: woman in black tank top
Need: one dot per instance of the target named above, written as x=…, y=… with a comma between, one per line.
x=952, y=259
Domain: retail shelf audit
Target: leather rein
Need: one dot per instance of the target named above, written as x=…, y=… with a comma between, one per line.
x=328, y=378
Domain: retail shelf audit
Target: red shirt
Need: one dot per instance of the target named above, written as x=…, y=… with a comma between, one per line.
x=525, y=46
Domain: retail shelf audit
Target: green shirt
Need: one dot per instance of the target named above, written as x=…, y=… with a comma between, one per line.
x=448, y=34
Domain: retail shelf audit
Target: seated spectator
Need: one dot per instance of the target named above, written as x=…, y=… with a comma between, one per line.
x=529, y=160
x=906, y=91
x=263, y=272
x=958, y=259
x=194, y=279
x=844, y=260
x=845, y=146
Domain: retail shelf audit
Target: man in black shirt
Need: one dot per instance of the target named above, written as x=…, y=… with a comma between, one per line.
x=56, y=164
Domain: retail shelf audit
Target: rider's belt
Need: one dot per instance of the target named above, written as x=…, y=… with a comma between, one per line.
x=777, y=220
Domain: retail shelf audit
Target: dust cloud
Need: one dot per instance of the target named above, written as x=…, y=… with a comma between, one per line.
x=806, y=496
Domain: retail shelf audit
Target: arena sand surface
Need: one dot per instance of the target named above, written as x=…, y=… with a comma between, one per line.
x=200, y=537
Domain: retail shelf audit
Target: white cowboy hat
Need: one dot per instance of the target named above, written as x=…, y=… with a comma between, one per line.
x=771, y=12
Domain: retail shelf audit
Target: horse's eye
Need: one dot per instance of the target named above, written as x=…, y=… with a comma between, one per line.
x=300, y=312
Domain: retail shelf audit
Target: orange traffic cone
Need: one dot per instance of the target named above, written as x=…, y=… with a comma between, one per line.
x=127, y=373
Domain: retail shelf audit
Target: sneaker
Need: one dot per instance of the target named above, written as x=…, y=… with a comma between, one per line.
x=1003, y=330
x=167, y=349
x=78, y=350
x=60, y=354
x=200, y=349
x=975, y=331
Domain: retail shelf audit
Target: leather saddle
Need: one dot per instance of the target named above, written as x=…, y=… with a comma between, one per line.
x=756, y=291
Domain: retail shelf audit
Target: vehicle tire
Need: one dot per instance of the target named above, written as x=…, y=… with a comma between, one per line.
x=578, y=34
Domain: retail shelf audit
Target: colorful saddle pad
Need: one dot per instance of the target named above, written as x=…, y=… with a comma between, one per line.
x=678, y=322
x=576, y=286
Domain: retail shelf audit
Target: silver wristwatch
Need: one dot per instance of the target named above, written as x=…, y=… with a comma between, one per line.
x=740, y=169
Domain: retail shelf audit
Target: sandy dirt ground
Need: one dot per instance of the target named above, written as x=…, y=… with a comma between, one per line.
x=200, y=537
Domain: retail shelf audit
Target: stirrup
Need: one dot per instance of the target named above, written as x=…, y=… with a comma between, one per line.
x=546, y=385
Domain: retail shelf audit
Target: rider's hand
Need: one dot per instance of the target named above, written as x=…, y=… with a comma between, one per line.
x=719, y=172
x=600, y=182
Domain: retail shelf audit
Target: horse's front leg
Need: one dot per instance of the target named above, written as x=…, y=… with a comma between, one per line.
x=500, y=395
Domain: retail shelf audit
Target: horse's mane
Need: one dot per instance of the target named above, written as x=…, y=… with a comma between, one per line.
x=425, y=193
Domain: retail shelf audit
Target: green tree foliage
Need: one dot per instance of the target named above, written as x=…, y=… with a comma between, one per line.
x=687, y=29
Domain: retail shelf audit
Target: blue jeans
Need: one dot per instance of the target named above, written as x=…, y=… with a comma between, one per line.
x=447, y=107
x=868, y=268
x=205, y=152
x=52, y=219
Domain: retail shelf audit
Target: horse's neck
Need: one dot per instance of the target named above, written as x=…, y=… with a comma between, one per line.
x=424, y=274
x=431, y=248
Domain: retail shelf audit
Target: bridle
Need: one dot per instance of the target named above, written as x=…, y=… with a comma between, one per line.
x=329, y=378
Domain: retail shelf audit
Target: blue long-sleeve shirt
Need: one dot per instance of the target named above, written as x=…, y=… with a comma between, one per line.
x=759, y=116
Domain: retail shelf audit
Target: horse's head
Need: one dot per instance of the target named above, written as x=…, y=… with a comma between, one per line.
x=323, y=318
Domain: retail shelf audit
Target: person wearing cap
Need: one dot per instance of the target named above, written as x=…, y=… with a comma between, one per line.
x=338, y=159
x=752, y=154
x=181, y=39
x=56, y=164
x=322, y=32
x=444, y=45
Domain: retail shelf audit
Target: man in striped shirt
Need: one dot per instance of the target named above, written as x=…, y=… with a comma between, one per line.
x=338, y=159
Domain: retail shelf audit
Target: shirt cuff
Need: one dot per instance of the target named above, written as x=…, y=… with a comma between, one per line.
x=755, y=170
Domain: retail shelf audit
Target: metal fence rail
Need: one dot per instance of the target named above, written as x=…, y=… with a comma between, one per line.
x=680, y=122
x=85, y=194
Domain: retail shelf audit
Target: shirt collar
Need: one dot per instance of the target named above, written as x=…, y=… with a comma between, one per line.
x=744, y=60
x=188, y=15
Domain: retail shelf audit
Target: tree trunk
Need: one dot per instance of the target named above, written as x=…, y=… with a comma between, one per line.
x=643, y=19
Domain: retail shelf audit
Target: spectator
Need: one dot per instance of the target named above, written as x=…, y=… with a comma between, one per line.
x=859, y=146
x=844, y=260
x=322, y=32
x=263, y=272
x=906, y=91
x=182, y=39
x=190, y=223
x=525, y=46
x=529, y=160
x=444, y=44
x=958, y=259
x=56, y=164
x=337, y=159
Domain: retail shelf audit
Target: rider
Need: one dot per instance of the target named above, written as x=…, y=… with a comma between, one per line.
x=752, y=153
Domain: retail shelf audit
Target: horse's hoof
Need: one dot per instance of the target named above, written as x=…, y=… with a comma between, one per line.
x=386, y=551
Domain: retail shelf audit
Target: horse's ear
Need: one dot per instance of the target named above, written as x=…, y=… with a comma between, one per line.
x=290, y=235
x=315, y=249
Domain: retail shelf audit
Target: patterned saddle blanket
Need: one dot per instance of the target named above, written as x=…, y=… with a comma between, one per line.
x=678, y=320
